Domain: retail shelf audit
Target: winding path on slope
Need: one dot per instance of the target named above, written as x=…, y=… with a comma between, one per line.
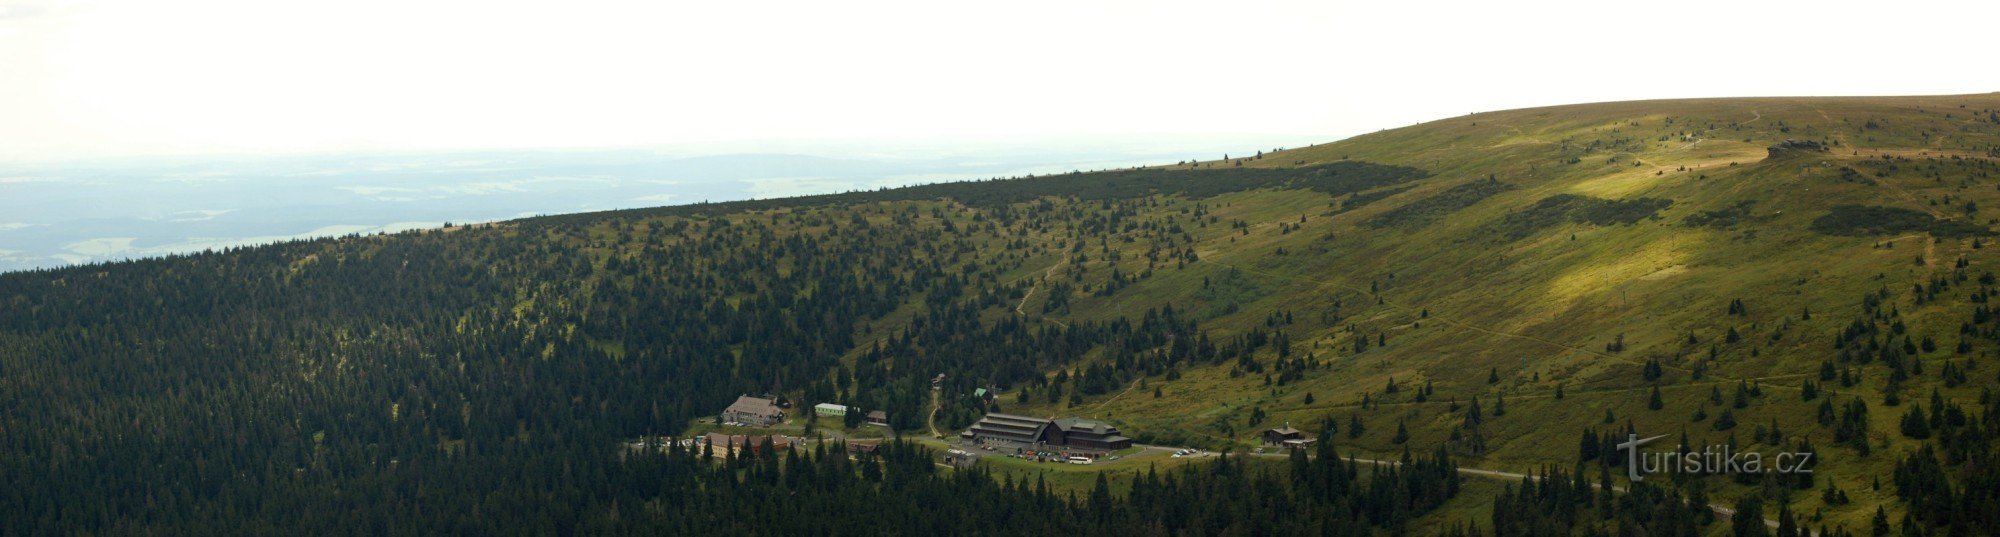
x=1128, y=389
x=931, y=420
x=1021, y=308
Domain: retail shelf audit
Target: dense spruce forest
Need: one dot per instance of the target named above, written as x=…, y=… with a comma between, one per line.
x=362, y=379
x=897, y=490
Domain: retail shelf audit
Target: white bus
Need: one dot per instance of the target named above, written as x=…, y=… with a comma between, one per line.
x=1080, y=460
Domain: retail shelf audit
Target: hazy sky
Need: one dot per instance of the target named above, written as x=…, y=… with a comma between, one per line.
x=91, y=78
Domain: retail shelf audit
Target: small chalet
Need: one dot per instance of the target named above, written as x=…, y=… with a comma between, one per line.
x=877, y=417
x=960, y=459
x=1280, y=435
x=754, y=412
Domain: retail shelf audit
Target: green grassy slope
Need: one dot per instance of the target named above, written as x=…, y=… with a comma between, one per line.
x=1493, y=287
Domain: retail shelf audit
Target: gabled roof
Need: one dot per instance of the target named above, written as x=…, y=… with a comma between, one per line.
x=1021, y=428
x=1079, y=424
x=1286, y=430
x=727, y=440
x=757, y=406
x=995, y=416
x=743, y=441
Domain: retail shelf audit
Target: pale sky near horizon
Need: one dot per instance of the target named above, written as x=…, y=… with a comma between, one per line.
x=83, y=79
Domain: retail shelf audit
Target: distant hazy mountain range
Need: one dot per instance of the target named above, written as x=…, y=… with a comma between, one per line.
x=63, y=214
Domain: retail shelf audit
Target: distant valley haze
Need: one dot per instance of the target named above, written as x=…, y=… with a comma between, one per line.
x=73, y=212
x=373, y=115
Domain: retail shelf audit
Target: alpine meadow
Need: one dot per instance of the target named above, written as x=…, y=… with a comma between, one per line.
x=1462, y=327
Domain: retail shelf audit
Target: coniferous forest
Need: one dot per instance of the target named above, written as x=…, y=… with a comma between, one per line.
x=482, y=378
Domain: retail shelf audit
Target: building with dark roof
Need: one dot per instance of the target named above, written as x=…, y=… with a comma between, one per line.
x=1286, y=437
x=1011, y=428
x=1281, y=434
x=1071, y=434
x=1077, y=432
x=740, y=443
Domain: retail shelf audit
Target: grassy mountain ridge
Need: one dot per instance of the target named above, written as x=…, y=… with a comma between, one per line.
x=1542, y=308
x=1595, y=251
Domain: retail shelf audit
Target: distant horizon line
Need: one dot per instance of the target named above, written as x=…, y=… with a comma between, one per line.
x=1005, y=144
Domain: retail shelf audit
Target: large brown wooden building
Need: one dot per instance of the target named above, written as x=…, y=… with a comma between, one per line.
x=1024, y=431
x=754, y=412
